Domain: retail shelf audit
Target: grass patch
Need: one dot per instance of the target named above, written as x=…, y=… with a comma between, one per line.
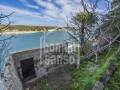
x=42, y=85
x=114, y=82
x=85, y=77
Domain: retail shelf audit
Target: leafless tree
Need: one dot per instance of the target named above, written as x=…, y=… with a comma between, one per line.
x=4, y=39
x=83, y=24
x=90, y=28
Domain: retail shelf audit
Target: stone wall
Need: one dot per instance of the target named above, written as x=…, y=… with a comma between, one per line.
x=9, y=80
x=39, y=56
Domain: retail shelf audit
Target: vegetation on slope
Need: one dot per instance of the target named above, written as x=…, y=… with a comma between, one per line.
x=89, y=72
x=28, y=28
x=114, y=82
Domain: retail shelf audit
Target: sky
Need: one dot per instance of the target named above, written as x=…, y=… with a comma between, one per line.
x=43, y=12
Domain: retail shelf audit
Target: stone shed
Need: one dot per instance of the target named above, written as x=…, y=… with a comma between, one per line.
x=27, y=66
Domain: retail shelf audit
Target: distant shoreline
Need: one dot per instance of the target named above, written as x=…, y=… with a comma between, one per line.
x=25, y=32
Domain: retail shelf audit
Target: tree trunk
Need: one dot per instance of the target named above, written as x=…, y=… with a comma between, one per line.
x=82, y=43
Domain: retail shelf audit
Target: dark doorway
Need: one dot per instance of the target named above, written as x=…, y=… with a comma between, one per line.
x=28, y=69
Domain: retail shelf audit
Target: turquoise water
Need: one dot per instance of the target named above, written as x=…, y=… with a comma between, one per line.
x=29, y=41
x=23, y=42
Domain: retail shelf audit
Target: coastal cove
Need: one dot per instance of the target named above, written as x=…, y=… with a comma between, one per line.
x=60, y=45
x=28, y=41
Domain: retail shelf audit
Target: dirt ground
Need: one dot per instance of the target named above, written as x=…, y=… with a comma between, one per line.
x=59, y=79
